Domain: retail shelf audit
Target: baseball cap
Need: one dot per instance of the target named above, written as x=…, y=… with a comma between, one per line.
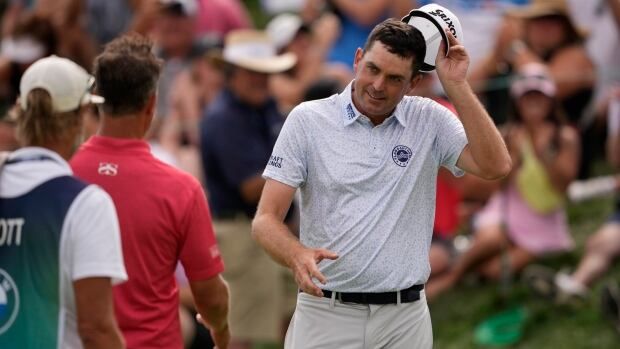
x=186, y=8
x=283, y=28
x=533, y=77
x=67, y=83
x=432, y=20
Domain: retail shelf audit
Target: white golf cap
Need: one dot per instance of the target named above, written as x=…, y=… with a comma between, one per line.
x=67, y=83
x=432, y=20
x=283, y=28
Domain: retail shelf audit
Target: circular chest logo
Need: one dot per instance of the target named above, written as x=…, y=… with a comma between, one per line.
x=9, y=301
x=401, y=155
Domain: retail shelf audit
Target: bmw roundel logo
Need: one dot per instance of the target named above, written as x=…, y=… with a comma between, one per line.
x=401, y=155
x=9, y=301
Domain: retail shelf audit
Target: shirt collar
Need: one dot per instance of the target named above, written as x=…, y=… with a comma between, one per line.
x=399, y=114
x=350, y=113
x=122, y=145
x=35, y=166
x=27, y=153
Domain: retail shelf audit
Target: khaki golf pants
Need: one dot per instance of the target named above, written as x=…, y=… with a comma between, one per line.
x=328, y=323
x=255, y=282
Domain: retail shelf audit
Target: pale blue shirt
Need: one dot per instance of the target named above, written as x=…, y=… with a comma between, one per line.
x=368, y=192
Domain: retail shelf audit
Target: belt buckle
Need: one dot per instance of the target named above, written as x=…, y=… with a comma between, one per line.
x=411, y=296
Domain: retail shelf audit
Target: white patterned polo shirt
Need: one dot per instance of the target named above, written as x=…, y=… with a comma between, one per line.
x=368, y=192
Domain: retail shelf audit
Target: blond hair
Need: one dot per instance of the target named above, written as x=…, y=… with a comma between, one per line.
x=39, y=125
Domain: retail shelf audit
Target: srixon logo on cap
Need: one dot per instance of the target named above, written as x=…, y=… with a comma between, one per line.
x=439, y=13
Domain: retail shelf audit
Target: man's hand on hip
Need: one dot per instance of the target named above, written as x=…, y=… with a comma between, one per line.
x=304, y=264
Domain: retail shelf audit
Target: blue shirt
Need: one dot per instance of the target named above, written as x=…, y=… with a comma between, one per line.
x=352, y=36
x=236, y=141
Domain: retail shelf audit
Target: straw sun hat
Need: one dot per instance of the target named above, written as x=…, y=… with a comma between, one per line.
x=253, y=50
x=543, y=8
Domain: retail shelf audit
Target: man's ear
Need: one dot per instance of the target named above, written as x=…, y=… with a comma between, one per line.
x=149, y=110
x=415, y=80
x=359, y=53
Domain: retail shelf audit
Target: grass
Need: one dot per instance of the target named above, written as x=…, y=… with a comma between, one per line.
x=456, y=314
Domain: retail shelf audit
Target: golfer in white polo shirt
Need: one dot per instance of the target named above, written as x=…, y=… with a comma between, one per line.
x=366, y=163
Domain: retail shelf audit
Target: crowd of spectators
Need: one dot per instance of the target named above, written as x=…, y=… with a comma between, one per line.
x=546, y=70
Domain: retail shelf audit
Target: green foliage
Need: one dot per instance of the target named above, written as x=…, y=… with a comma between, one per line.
x=259, y=18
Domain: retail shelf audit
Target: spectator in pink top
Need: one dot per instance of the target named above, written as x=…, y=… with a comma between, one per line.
x=526, y=218
x=221, y=16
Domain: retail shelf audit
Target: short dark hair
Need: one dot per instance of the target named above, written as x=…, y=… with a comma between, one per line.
x=126, y=74
x=401, y=39
x=556, y=116
x=38, y=27
x=173, y=9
